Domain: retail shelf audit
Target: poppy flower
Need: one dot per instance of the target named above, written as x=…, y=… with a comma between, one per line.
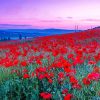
x=23, y=63
x=26, y=76
x=68, y=97
x=86, y=81
x=73, y=80
x=77, y=86
x=93, y=76
x=65, y=91
x=45, y=95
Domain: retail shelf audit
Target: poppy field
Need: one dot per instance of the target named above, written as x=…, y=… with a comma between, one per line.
x=58, y=67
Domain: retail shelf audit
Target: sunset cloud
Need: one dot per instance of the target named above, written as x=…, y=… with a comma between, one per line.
x=91, y=20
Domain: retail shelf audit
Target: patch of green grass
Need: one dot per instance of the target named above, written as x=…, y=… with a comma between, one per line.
x=4, y=73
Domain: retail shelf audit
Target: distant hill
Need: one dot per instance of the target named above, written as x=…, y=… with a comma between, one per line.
x=14, y=31
x=14, y=26
x=31, y=32
x=98, y=27
x=38, y=30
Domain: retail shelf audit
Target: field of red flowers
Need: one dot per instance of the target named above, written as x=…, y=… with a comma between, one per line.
x=59, y=67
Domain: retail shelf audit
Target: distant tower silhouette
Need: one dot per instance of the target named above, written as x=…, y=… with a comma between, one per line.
x=76, y=28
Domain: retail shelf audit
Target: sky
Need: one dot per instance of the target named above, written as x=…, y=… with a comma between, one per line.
x=63, y=14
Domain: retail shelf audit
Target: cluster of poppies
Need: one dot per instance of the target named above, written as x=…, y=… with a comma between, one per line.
x=68, y=59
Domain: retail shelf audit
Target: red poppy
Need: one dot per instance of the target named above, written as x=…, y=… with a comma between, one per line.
x=24, y=70
x=23, y=63
x=96, y=69
x=26, y=76
x=50, y=80
x=46, y=95
x=93, y=76
x=77, y=86
x=86, y=81
x=61, y=75
x=65, y=91
x=68, y=97
x=73, y=80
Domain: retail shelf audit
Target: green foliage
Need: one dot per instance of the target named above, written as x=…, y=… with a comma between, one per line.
x=15, y=87
x=19, y=89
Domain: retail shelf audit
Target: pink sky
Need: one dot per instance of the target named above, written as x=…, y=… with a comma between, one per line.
x=51, y=13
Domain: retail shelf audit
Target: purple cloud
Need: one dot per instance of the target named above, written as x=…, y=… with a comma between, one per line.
x=91, y=20
x=50, y=21
x=69, y=17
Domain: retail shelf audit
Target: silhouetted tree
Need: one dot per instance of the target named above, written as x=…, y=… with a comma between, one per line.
x=9, y=38
x=25, y=37
x=20, y=36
